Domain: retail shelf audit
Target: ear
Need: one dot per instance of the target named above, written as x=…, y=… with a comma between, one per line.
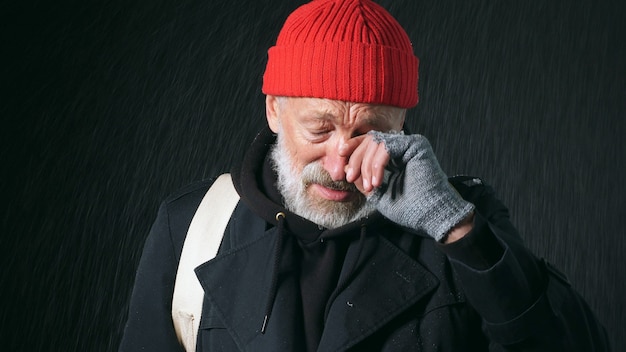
x=403, y=119
x=271, y=112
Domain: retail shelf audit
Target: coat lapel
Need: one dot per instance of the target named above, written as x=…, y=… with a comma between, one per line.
x=386, y=284
x=243, y=275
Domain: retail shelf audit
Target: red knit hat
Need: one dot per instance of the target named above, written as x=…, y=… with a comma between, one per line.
x=348, y=50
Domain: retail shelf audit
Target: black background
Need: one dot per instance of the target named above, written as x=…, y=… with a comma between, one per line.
x=107, y=107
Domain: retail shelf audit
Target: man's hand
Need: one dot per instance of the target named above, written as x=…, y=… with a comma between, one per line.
x=367, y=161
x=401, y=175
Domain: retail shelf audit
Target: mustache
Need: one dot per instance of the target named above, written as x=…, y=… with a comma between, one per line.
x=315, y=173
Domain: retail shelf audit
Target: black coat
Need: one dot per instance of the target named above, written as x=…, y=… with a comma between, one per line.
x=407, y=293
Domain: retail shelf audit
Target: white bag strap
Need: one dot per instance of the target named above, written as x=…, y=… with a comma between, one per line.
x=201, y=245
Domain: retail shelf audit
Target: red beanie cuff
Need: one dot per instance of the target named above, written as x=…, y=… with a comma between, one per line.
x=346, y=71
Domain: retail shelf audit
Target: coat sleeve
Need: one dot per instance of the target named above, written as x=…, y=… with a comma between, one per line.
x=526, y=304
x=149, y=326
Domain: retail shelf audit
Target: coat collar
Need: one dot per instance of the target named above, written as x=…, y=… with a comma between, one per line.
x=385, y=283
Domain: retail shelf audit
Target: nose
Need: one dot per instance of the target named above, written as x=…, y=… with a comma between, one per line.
x=334, y=164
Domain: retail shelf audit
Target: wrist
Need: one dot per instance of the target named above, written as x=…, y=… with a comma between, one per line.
x=460, y=230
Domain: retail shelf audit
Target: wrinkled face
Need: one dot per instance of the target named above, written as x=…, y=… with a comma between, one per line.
x=311, y=174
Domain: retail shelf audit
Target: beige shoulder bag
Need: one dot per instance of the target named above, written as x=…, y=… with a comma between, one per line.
x=201, y=245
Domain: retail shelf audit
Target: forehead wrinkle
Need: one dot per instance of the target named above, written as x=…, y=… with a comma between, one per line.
x=353, y=114
x=356, y=115
x=348, y=113
x=379, y=116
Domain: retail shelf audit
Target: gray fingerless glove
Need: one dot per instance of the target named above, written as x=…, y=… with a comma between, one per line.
x=416, y=192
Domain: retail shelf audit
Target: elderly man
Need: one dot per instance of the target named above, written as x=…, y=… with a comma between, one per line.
x=348, y=235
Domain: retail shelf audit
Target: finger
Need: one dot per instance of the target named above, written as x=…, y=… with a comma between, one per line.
x=379, y=162
x=353, y=167
x=349, y=146
x=359, y=185
x=371, y=149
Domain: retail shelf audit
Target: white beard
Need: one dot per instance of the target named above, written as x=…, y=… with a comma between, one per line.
x=293, y=186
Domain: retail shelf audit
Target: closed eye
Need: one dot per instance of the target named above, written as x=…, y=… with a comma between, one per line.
x=318, y=135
